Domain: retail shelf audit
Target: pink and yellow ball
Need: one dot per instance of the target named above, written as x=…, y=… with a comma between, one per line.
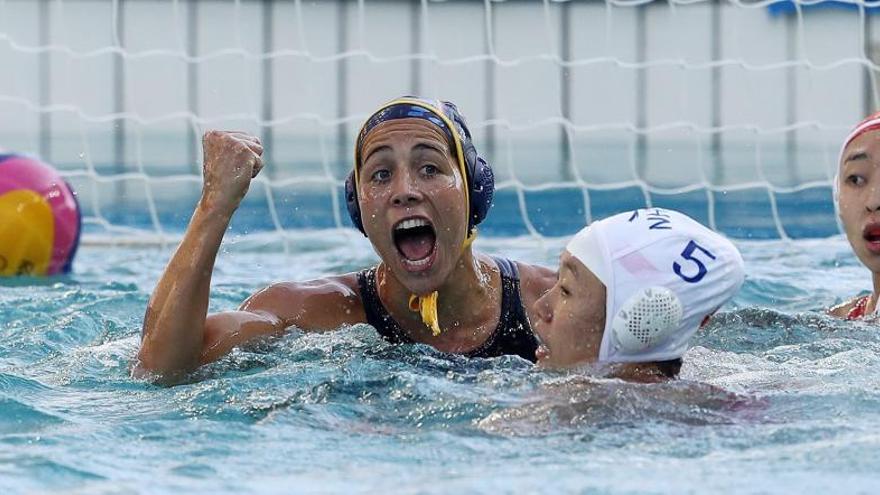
x=40, y=220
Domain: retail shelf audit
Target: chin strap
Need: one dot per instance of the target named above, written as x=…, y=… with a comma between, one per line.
x=427, y=305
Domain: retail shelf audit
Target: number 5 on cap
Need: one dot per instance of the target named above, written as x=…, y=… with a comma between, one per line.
x=688, y=254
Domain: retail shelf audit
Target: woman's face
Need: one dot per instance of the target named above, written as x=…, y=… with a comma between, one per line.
x=413, y=202
x=571, y=317
x=859, y=197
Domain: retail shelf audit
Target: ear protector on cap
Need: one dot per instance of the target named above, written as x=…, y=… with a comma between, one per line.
x=646, y=318
x=478, y=173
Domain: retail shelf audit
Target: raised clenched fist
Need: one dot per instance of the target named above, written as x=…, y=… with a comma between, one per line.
x=231, y=160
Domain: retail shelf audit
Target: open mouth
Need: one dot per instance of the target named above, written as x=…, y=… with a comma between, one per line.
x=542, y=352
x=415, y=240
x=871, y=234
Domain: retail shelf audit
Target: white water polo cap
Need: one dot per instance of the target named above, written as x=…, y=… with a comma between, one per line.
x=664, y=274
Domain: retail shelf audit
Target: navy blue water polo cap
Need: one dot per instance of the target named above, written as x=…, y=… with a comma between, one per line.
x=478, y=174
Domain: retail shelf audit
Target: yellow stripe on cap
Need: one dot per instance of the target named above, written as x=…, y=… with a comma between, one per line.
x=459, y=152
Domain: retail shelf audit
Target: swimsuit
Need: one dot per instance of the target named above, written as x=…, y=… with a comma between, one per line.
x=513, y=335
x=858, y=311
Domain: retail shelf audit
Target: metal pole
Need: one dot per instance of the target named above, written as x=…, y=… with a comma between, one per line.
x=716, y=145
x=641, y=92
x=415, y=34
x=267, y=131
x=342, y=83
x=119, y=138
x=45, y=76
x=791, y=138
x=192, y=84
x=489, y=69
x=566, y=171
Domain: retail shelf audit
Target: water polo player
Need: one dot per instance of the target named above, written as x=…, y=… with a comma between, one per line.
x=657, y=274
x=857, y=194
x=417, y=191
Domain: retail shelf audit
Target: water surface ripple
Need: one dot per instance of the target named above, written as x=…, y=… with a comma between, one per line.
x=774, y=397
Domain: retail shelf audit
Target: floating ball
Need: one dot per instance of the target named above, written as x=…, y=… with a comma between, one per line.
x=40, y=221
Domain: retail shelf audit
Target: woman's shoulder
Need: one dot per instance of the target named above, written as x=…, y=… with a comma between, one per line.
x=854, y=308
x=534, y=280
x=536, y=272
x=319, y=304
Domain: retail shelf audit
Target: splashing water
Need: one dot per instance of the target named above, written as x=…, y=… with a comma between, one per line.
x=774, y=396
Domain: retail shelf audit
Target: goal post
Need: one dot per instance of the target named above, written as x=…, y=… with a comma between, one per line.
x=730, y=111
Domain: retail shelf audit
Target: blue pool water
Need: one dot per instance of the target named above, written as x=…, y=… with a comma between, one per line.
x=775, y=397
x=742, y=214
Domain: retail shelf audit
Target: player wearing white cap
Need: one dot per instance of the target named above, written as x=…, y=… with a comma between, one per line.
x=655, y=275
x=857, y=195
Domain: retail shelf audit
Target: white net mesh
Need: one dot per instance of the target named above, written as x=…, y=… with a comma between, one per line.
x=729, y=111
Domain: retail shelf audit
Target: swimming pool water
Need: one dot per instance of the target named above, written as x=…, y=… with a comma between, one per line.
x=775, y=396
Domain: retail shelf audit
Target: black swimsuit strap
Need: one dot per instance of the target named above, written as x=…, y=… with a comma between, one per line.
x=377, y=315
x=512, y=335
x=512, y=295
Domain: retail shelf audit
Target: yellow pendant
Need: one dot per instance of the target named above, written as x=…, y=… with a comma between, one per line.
x=427, y=307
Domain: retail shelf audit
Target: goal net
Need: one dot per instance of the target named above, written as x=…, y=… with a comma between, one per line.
x=732, y=112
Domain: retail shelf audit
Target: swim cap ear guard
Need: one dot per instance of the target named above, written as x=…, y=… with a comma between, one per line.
x=480, y=178
x=351, y=202
x=645, y=319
